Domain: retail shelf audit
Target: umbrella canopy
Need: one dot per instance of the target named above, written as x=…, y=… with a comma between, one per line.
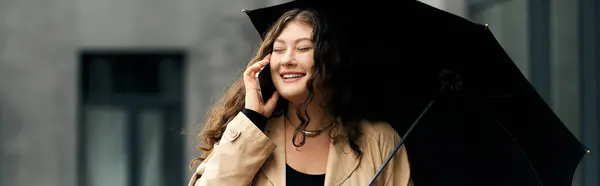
x=494, y=130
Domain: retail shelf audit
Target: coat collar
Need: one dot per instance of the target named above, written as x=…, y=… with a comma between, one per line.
x=274, y=166
x=341, y=162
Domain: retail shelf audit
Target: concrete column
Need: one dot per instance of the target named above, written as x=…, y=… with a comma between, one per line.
x=435, y=3
x=38, y=93
x=589, y=27
x=508, y=23
x=539, y=41
x=564, y=61
x=457, y=7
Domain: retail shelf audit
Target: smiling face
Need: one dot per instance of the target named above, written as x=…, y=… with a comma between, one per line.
x=292, y=61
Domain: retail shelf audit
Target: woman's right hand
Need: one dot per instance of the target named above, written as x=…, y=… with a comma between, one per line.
x=253, y=95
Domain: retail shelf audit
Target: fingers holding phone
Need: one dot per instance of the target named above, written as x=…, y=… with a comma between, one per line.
x=253, y=99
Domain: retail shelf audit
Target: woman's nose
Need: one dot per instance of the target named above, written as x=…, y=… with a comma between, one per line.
x=287, y=59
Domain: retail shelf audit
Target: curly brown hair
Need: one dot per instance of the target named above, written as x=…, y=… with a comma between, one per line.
x=328, y=71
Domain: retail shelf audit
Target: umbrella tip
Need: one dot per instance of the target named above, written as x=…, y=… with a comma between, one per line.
x=486, y=25
x=588, y=151
x=244, y=10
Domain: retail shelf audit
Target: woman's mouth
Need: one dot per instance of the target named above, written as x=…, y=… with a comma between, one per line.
x=288, y=78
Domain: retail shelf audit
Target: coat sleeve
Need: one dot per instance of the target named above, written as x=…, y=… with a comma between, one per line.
x=397, y=171
x=238, y=156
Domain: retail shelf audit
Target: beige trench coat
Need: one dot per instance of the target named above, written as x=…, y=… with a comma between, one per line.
x=246, y=155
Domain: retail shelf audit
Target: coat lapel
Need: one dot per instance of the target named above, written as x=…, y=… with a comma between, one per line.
x=341, y=163
x=274, y=167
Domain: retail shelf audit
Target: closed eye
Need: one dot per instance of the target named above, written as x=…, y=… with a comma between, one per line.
x=305, y=48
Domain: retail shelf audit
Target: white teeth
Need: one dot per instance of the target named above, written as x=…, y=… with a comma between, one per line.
x=287, y=76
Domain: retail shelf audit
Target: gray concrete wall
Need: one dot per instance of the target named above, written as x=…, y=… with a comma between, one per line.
x=457, y=7
x=508, y=22
x=39, y=41
x=565, y=65
x=37, y=92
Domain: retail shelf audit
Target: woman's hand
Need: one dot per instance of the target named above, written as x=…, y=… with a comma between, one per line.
x=253, y=95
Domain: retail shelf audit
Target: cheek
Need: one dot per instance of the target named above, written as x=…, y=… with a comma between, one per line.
x=274, y=61
x=307, y=62
x=274, y=66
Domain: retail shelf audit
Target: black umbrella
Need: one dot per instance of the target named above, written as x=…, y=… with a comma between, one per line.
x=487, y=125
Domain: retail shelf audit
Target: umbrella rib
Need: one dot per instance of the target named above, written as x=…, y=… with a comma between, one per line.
x=513, y=139
x=522, y=151
x=397, y=147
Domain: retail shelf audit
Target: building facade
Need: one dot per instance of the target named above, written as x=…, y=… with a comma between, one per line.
x=75, y=111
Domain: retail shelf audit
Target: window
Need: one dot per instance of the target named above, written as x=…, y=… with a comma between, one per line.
x=130, y=118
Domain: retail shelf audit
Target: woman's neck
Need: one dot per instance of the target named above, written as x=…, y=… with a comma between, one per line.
x=319, y=117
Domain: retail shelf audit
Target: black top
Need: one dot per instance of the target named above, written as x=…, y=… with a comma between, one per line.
x=293, y=177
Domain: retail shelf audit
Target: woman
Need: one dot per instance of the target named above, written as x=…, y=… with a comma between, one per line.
x=303, y=134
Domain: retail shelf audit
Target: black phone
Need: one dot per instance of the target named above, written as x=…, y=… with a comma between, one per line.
x=265, y=83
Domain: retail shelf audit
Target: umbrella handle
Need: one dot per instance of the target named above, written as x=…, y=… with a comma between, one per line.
x=449, y=79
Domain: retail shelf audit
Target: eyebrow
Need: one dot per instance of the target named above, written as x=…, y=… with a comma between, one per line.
x=297, y=40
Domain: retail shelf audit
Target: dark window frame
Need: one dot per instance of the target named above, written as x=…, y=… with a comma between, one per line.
x=171, y=103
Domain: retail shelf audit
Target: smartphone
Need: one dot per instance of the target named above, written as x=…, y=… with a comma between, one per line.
x=265, y=83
